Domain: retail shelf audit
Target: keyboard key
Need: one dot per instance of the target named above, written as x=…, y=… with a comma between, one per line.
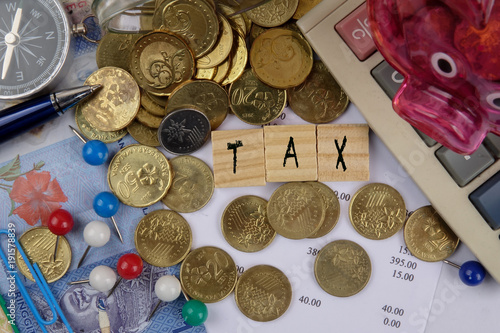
x=485, y=199
x=492, y=142
x=356, y=32
x=463, y=169
x=388, y=78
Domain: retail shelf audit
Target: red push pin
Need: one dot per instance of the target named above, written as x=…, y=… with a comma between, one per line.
x=129, y=267
x=60, y=223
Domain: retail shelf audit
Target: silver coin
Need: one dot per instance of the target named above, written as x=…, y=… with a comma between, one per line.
x=184, y=131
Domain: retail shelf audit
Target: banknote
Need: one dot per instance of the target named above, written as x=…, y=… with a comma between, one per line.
x=56, y=176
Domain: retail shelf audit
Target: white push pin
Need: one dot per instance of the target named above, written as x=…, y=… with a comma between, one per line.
x=102, y=278
x=95, y=234
x=167, y=289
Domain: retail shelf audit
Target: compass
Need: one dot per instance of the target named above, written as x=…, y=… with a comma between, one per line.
x=35, y=38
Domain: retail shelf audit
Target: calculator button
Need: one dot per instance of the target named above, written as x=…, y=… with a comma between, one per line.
x=356, y=32
x=485, y=199
x=387, y=78
x=492, y=142
x=462, y=168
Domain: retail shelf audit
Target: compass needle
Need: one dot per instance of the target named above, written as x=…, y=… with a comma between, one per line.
x=11, y=39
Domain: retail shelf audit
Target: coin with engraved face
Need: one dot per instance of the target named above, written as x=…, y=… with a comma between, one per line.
x=332, y=209
x=263, y=293
x=221, y=49
x=139, y=175
x=377, y=211
x=39, y=244
x=163, y=238
x=245, y=225
x=428, y=237
x=152, y=106
x=184, y=131
x=342, y=268
x=161, y=61
x=148, y=119
x=208, y=274
x=281, y=58
x=115, y=105
x=193, y=20
x=92, y=133
x=320, y=99
x=273, y=13
x=192, y=187
x=143, y=134
x=239, y=61
x=114, y=50
x=296, y=210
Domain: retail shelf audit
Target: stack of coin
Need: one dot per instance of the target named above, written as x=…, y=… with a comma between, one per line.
x=377, y=211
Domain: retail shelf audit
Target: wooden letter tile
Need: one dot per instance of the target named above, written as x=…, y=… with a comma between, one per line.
x=290, y=153
x=343, y=152
x=238, y=157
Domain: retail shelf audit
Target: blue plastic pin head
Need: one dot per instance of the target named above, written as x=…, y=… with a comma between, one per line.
x=472, y=273
x=106, y=204
x=95, y=152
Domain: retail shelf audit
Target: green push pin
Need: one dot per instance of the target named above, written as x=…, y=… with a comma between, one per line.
x=194, y=312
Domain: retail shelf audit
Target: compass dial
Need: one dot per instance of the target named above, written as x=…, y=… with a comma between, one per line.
x=34, y=45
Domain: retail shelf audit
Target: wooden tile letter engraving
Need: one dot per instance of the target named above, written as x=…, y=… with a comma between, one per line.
x=290, y=152
x=238, y=157
x=343, y=152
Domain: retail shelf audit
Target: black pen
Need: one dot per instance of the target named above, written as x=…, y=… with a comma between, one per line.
x=27, y=115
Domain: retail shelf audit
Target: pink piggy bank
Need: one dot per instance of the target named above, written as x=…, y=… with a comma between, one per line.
x=449, y=53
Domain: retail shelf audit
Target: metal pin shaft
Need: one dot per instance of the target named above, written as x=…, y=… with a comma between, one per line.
x=78, y=134
x=452, y=264
x=116, y=228
x=116, y=285
x=78, y=282
x=154, y=310
x=57, y=245
x=84, y=255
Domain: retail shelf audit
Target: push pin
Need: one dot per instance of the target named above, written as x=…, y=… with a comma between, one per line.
x=106, y=204
x=94, y=152
x=471, y=272
x=95, y=234
x=194, y=312
x=101, y=278
x=60, y=223
x=129, y=267
x=167, y=289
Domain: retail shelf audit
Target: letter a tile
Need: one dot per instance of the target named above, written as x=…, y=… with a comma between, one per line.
x=343, y=152
x=291, y=153
x=238, y=158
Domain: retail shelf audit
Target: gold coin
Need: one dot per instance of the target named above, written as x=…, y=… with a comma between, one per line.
x=236, y=21
x=139, y=175
x=273, y=13
x=320, y=99
x=296, y=210
x=255, y=32
x=151, y=106
x=39, y=244
x=377, y=211
x=304, y=7
x=205, y=73
x=92, y=133
x=245, y=225
x=332, y=209
x=160, y=62
x=143, y=134
x=114, y=50
x=263, y=293
x=147, y=119
x=221, y=49
x=208, y=274
x=223, y=70
x=238, y=62
x=206, y=96
x=115, y=105
x=193, y=20
x=342, y=268
x=281, y=58
x=163, y=238
x=428, y=237
x=255, y=102
x=192, y=187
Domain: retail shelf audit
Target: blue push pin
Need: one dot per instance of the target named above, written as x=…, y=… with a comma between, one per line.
x=106, y=204
x=94, y=152
x=471, y=273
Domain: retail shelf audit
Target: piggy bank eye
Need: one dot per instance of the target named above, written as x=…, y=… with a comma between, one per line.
x=444, y=65
x=493, y=100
